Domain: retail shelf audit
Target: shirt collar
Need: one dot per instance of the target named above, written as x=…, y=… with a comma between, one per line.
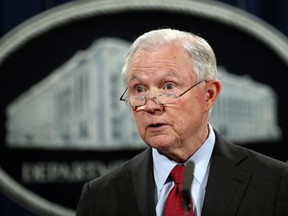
x=162, y=166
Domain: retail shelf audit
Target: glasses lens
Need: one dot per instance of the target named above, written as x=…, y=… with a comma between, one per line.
x=141, y=100
x=165, y=98
x=136, y=101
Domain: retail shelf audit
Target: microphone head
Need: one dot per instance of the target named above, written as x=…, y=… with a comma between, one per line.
x=186, y=185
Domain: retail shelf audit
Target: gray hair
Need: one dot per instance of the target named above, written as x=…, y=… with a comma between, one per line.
x=202, y=55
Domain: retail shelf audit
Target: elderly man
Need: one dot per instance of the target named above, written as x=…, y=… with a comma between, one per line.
x=172, y=85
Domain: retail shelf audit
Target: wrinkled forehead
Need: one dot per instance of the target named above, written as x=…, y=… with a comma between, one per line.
x=154, y=75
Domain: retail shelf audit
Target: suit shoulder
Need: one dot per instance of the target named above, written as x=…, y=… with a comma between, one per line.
x=124, y=170
x=245, y=157
x=260, y=161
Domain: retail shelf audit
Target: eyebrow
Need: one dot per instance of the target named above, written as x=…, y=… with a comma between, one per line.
x=132, y=78
x=164, y=73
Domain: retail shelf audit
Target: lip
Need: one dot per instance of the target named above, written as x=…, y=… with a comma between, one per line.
x=156, y=126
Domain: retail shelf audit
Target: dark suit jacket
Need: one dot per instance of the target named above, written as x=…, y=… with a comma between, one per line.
x=241, y=182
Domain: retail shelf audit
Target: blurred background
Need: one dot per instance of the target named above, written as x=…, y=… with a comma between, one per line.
x=14, y=12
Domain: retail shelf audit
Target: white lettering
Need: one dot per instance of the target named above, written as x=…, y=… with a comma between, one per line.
x=64, y=172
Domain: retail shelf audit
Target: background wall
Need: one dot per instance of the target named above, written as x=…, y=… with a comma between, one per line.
x=13, y=12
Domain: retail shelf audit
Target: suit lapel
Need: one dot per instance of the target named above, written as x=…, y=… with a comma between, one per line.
x=226, y=183
x=143, y=183
x=225, y=188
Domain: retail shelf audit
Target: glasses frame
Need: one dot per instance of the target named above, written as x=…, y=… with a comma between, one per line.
x=145, y=99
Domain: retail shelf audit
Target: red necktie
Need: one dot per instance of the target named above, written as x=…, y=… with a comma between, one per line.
x=174, y=202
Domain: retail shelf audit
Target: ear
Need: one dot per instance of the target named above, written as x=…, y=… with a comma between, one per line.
x=213, y=89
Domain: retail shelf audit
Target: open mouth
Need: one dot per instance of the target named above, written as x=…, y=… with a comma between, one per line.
x=155, y=125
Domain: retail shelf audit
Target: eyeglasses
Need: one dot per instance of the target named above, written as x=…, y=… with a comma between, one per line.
x=162, y=99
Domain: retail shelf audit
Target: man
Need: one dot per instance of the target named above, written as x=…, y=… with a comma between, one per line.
x=172, y=85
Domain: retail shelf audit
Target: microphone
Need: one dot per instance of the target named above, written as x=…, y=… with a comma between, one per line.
x=186, y=185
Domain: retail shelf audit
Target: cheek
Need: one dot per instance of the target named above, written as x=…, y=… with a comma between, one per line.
x=183, y=122
x=189, y=113
x=195, y=105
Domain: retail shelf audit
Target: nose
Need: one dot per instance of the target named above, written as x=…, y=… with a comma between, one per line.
x=152, y=105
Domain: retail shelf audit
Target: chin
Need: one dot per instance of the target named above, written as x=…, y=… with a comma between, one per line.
x=159, y=143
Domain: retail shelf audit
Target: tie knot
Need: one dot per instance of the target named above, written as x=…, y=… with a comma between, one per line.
x=177, y=174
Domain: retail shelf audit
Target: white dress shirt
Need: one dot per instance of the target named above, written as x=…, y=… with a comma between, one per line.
x=162, y=166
